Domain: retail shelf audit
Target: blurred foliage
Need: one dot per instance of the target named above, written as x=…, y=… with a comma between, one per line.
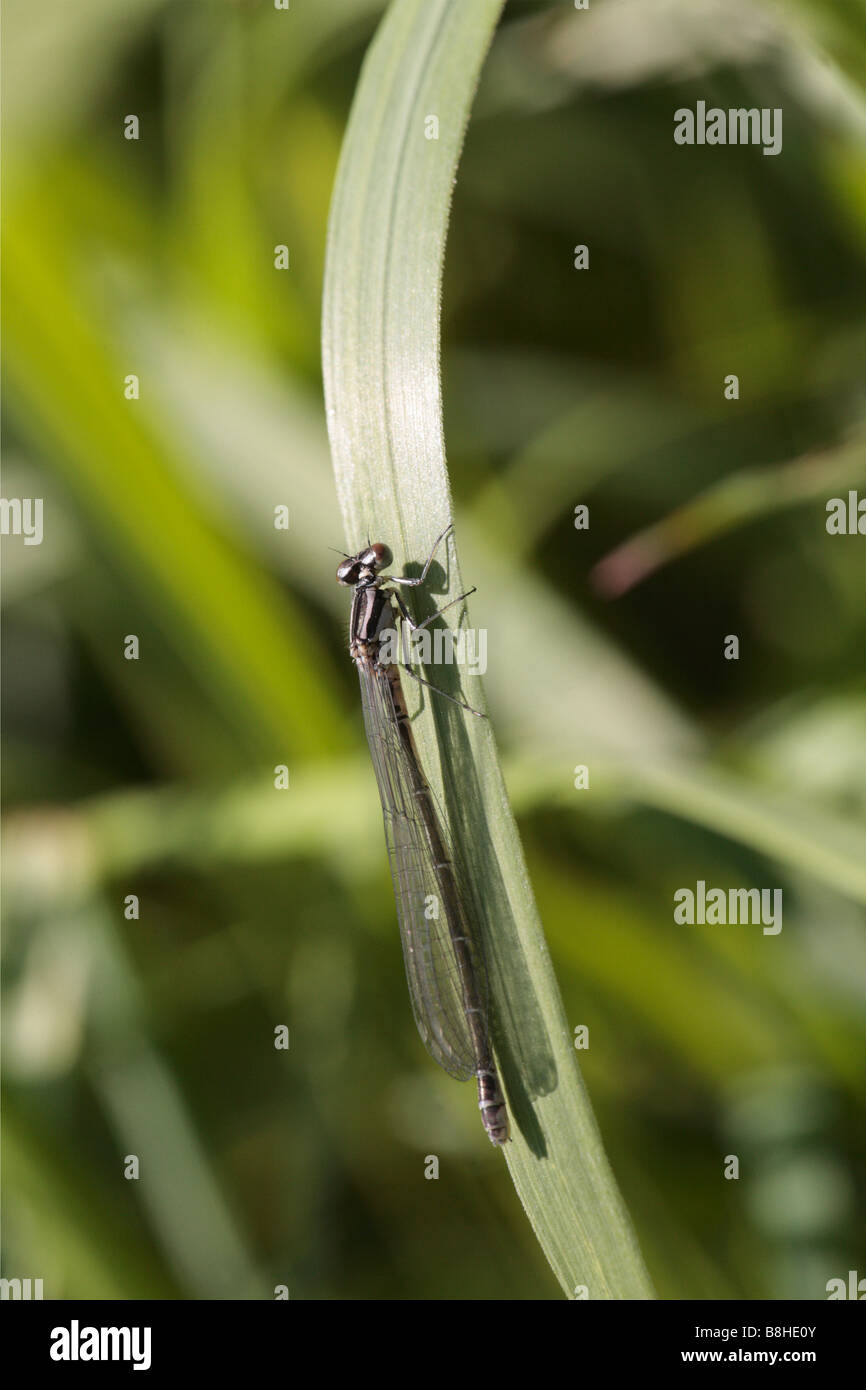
x=155, y=777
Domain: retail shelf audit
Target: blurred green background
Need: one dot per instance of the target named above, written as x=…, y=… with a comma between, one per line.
x=154, y=777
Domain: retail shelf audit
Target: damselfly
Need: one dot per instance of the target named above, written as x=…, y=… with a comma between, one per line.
x=443, y=957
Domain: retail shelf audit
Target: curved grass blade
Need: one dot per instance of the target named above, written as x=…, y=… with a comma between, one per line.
x=381, y=315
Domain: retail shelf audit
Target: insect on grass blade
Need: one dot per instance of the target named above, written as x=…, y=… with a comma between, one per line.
x=444, y=963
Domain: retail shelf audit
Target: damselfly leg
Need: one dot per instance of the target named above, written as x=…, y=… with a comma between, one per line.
x=413, y=583
x=407, y=618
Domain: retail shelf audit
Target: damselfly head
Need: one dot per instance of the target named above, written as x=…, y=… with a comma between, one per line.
x=357, y=569
x=375, y=557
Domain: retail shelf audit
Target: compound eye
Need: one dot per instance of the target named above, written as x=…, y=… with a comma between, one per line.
x=349, y=572
x=377, y=556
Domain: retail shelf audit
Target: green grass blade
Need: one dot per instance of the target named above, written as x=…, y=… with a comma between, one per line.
x=387, y=233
